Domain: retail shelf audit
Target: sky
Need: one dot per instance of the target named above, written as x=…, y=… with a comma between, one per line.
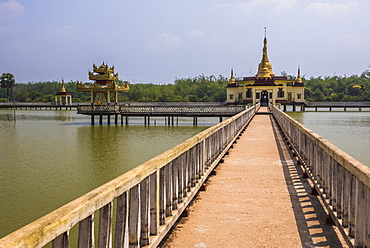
x=160, y=41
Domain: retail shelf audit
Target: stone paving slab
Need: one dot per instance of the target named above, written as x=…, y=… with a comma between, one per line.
x=258, y=198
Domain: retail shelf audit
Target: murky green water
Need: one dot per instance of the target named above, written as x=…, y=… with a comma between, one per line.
x=48, y=158
x=349, y=131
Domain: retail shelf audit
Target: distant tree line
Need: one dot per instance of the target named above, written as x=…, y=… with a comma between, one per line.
x=197, y=89
x=355, y=88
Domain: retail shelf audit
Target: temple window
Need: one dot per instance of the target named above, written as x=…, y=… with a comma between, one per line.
x=258, y=95
x=299, y=96
x=240, y=96
x=231, y=96
x=280, y=93
x=289, y=96
x=248, y=93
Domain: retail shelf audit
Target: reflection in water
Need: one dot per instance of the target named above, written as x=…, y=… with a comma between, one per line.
x=349, y=131
x=49, y=158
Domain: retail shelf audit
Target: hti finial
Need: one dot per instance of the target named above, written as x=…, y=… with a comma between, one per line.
x=265, y=32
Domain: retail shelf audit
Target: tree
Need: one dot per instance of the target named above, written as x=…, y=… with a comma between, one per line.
x=7, y=81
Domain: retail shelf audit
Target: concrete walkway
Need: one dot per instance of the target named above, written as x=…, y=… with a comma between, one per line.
x=258, y=198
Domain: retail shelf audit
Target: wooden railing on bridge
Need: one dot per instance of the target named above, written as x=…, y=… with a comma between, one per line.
x=342, y=181
x=148, y=199
x=37, y=105
x=160, y=110
x=334, y=104
x=182, y=110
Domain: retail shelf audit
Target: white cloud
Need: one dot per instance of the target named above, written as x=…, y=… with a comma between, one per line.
x=277, y=5
x=202, y=35
x=350, y=41
x=10, y=9
x=197, y=33
x=166, y=39
x=66, y=31
x=328, y=8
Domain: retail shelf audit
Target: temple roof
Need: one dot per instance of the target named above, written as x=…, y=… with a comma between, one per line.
x=103, y=72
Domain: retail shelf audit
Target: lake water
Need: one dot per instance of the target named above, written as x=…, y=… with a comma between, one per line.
x=49, y=158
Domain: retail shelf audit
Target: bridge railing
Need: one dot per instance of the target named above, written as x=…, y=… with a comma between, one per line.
x=337, y=104
x=146, y=201
x=342, y=181
x=178, y=110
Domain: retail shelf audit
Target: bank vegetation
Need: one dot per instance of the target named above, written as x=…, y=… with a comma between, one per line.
x=354, y=88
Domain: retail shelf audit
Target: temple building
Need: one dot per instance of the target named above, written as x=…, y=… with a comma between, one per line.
x=63, y=97
x=265, y=87
x=105, y=88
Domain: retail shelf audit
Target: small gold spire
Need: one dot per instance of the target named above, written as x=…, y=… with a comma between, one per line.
x=232, y=78
x=63, y=88
x=299, y=79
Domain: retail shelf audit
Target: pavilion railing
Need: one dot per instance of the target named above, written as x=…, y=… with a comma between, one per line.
x=146, y=201
x=342, y=181
x=82, y=109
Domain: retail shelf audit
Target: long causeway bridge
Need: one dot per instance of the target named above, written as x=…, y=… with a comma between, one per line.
x=258, y=179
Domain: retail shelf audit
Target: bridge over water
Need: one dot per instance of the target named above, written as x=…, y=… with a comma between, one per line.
x=280, y=164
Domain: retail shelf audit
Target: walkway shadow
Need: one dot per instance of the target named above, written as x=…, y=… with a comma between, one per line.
x=309, y=213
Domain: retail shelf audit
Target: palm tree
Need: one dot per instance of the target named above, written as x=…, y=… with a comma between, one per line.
x=7, y=81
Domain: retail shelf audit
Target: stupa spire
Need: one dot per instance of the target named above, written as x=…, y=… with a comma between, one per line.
x=63, y=88
x=232, y=78
x=299, y=79
x=265, y=67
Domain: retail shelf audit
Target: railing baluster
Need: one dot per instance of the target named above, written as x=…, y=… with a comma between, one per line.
x=180, y=175
x=162, y=196
x=144, y=207
x=86, y=233
x=175, y=183
x=168, y=182
x=121, y=221
x=61, y=241
x=367, y=219
x=105, y=226
x=339, y=187
x=360, y=219
x=346, y=196
x=134, y=217
x=153, y=189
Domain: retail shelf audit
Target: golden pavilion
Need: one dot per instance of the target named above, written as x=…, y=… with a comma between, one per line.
x=105, y=88
x=63, y=97
x=265, y=87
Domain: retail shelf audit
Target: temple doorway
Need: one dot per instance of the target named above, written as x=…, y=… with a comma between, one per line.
x=264, y=98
